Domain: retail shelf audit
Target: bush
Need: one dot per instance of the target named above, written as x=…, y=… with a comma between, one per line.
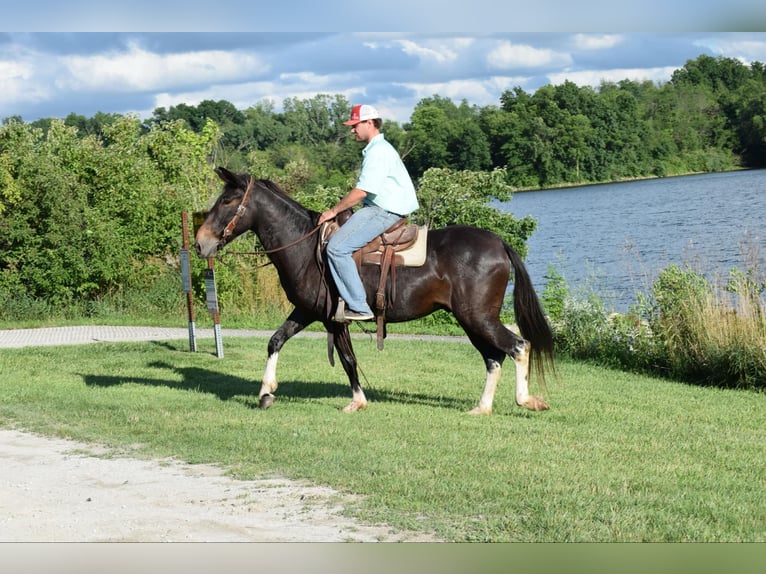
x=684, y=328
x=620, y=341
x=555, y=294
x=708, y=337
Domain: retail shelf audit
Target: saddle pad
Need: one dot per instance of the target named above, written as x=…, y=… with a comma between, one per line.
x=415, y=256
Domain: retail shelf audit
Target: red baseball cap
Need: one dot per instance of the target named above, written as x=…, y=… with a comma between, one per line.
x=360, y=113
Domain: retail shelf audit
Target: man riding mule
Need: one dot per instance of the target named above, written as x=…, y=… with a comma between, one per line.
x=387, y=195
x=466, y=271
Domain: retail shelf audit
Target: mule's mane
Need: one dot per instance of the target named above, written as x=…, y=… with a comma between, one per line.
x=296, y=210
x=272, y=186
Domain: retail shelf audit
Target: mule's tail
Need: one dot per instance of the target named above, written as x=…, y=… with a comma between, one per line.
x=530, y=318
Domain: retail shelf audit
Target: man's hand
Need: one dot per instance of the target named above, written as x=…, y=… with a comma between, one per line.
x=326, y=216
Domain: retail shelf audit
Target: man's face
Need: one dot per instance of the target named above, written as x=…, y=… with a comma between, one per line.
x=362, y=131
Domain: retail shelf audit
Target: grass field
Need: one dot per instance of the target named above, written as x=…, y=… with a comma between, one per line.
x=619, y=457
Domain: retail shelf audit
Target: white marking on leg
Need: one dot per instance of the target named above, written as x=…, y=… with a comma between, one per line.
x=523, y=398
x=358, y=402
x=488, y=394
x=521, y=360
x=269, y=381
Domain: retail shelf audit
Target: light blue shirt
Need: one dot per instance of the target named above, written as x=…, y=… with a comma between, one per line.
x=385, y=179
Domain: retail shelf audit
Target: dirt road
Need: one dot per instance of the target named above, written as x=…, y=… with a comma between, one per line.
x=54, y=490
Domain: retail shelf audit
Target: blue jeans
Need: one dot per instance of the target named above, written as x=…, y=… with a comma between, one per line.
x=361, y=228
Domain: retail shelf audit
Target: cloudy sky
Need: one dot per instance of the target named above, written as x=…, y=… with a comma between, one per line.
x=52, y=73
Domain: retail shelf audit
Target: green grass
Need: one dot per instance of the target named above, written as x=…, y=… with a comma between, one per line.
x=619, y=457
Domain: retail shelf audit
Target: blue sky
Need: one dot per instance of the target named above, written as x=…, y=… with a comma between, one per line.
x=47, y=71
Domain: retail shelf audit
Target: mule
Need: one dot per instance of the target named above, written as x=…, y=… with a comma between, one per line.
x=466, y=271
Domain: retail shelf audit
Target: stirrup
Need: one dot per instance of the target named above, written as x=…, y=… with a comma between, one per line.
x=340, y=312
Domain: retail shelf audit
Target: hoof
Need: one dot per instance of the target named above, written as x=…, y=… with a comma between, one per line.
x=354, y=406
x=480, y=411
x=266, y=401
x=535, y=404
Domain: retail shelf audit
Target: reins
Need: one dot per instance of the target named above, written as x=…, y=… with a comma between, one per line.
x=276, y=249
x=229, y=230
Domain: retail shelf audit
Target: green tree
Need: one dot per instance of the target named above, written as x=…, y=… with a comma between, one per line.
x=620, y=132
x=317, y=119
x=442, y=134
x=749, y=105
x=89, y=214
x=449, y=197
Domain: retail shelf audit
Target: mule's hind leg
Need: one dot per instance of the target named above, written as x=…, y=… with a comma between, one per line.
x=494, y=367
x=494, y=343
x=294, y=324
x=523, y=398
x=342, y=343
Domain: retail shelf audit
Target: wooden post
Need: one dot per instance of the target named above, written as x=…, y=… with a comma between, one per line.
x=186, y=282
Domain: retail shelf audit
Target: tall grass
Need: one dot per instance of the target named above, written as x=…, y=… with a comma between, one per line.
x=686, y=327
x=713, y=340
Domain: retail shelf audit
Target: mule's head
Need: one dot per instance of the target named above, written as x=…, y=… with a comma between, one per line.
x=227, y=218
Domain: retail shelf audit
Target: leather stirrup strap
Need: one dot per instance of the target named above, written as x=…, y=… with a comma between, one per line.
x=380, y=296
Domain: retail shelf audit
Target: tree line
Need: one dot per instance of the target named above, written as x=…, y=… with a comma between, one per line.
x=89, y=206
x=710, y=116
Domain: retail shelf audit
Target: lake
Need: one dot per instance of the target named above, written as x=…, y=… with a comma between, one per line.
x=613, y=239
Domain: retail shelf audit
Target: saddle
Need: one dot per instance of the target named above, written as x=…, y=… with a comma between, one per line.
x=401, y=245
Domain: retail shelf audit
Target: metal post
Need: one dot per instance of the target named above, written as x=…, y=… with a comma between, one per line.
x=186, y=282
x=212, y=306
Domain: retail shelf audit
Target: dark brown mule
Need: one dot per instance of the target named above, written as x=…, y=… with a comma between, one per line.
x=466, y=271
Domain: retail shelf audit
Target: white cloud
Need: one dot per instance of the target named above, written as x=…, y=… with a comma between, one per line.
x=507, y=55
x=596, y=77
x=310, y=79
x=17, y=75
x=440, y=51
x=138, y=69
x=14, y=75
x=476, y=92
x=439, y=54
x=745, y=50
x=246, y=94
x=596, y=41
x=240, y=95
x=473, y=91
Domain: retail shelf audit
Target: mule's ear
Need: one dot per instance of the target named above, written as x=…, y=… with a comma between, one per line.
x=231, y=178
x=226, y=175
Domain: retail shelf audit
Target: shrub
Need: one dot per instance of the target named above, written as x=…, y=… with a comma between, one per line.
x=684, y=328
x=554, y=294
x=707, y=336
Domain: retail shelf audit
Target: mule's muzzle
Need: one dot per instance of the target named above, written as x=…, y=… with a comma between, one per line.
x=206, y=245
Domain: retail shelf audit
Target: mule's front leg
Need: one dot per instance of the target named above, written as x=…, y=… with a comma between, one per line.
x=269, y=380
x=523, y=398
x=294, y=324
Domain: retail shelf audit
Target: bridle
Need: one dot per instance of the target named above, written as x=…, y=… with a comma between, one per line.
x=228, y=231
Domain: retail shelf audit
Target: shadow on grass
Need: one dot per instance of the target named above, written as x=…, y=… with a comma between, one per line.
x=228, y=387
x=224, y=387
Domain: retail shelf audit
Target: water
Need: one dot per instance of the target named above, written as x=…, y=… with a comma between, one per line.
x=614, y=239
